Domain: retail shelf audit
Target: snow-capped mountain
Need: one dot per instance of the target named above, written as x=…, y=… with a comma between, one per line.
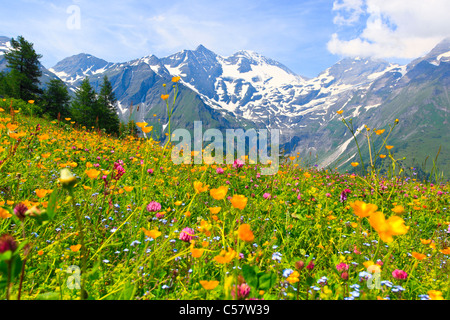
x=247, y=89
x=76, y=68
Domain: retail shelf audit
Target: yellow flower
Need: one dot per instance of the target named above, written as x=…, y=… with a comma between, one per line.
x=205, y=228
x=378, y=132
x=418, y=256
x=151, y=233
x=239, y=201
x=164, y=96
x=41, y=192
x=30, y=101
x=198, y=186
x=141, y=124
x=4, y=214
x=387, y=228
x=75, y=248
x=128, y=189
x=147, y=129
x=68, y=119
x=209, y=285
x=175, y=79
x=398, y=209
x=435, y=295
x=197, y=253
x=225, y=256
x=355, y=164
x=92, y=173
x=362, y=209
x=425, y=241
x=389, y=147
x=178, y=203
x=219, y=193
x=214, y=210
x=245, y=233
x=340, y=112
x=445, y=251
x=293, y=277
x=382, y=156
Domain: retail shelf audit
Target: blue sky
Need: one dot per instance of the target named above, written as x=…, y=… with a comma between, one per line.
x=307, y=36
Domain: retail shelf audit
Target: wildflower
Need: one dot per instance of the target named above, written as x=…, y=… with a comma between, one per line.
x=92, y=173
x=67, y=179
x=243, y=290
x=239, y=201
x=4, y=214
x=299, y=265
x=75, y=248
x=214, y=210
x=382, y=156
x=19, y=210
x=293, y=277
x=445, y=251
x=354, y=164
x=225, y=256
x=344, y=194
x=164, y=96
x=418, y=256
x=7, y=243
x=176, y=79
x=342, y=267
x=238, y=163
x=287, y=272
x=187, y=234
x=141, y=124
x=387, y=228
x=220, y=170
x=205, y=228
x=151, y=233
x=198, y=186
x=196, y=253
x=219, y=193
x=362, y=209
x=389, y=147
x=340, y=111
x=398, y=209
x=399, y=274
x=266, y=195
x=209, y=285
x=435, y=295
x=379, y=132
x=310, y=265
x=153, y=206
x=245, y=233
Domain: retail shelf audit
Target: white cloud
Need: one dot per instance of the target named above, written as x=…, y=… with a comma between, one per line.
x=348, y=11
x=393, y=29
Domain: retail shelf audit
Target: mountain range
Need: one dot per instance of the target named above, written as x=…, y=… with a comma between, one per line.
x=247, y=90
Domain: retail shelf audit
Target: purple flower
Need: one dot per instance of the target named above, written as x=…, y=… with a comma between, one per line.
x=150, y=171
x=153, y=206
x=20, y=210
x=187, y=234
x=266, y=195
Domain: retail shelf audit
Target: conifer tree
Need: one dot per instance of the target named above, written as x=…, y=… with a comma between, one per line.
x=56, y=99
x=23, y=61
x=107, y=112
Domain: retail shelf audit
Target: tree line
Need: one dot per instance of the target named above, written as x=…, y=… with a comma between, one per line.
x=88, y=108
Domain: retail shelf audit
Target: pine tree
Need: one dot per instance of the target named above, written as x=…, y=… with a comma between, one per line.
x=56, y=99
x=107, y=112
x=23, y=61
x=84, y=105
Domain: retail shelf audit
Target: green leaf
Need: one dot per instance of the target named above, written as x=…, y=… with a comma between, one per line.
x=267, y=280
x=250, y=276
x=51, y=207
x=309, y=280
x=5, y=255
